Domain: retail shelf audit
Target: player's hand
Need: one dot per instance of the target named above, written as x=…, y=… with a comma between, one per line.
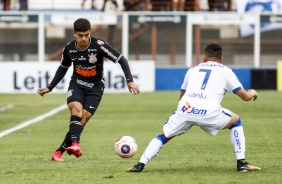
x=43, y=91
x=133, y=88
x=255, y=96
x=254, y=93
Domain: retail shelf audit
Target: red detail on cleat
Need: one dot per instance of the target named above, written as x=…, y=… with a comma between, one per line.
x=57, y=156
x=74, y=149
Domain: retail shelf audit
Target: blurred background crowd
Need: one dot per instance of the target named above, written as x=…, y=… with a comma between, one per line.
x=123, y=5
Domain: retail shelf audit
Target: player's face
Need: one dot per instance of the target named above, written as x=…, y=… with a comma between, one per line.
x=82, y=39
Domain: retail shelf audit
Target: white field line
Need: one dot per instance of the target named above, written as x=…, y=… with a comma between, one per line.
x=9, y=106
x=31, y=121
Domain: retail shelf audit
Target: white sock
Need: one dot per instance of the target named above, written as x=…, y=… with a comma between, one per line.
x=238, y=140
x=151, y=151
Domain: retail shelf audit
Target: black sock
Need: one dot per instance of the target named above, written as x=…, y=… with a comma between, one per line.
x=75, y=128
x=241, y=161
x=66, y=143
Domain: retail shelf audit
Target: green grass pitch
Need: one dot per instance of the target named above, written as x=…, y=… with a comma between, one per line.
x=195, y=157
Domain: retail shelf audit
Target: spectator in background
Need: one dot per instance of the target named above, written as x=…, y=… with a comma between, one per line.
x=165, y=5
x=23, y=5
x=93, y=7
x=136, y=5
x=6, y=5
x=190, y=5
x=111, y=6
x=127, y=5
x=219, y=5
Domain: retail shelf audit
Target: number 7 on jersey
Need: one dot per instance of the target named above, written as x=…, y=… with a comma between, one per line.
x=205, y=81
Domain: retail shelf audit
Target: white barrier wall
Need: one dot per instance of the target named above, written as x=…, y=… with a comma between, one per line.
x=27, y=77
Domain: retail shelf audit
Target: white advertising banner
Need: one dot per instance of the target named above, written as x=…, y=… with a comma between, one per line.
x=27, y=77
x=97, y=18
x=270, y=7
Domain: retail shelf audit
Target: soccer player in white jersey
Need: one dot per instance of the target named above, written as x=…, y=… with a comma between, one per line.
x=201, y=93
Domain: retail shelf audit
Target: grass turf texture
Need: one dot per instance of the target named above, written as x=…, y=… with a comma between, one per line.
x=195, y=157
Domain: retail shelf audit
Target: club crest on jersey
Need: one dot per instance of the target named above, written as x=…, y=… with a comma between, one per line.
x=100, y=42
x=69, y=93
x=92, y=58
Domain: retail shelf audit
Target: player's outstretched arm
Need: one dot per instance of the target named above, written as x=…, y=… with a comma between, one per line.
x=133, y=88
x=43, y=91
x=248, y=95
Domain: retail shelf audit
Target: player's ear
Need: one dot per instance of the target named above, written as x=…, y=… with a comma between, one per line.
x=204, y=58
x=220, y=60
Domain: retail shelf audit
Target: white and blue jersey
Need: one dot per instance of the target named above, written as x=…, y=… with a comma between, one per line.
x=204, y=86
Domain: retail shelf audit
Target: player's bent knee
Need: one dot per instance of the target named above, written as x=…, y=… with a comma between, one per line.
x=161, y=138
x=239, y=123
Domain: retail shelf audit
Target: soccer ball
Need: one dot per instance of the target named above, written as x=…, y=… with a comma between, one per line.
x=126, y=146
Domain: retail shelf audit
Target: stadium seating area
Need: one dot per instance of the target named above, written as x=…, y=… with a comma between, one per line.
x=133, y=5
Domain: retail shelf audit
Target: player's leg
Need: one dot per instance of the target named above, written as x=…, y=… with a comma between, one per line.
x=74, y=99
x=91, y=101
x=238, y=141
x=57, y=155
x=75, y=128
x=174, y=126
x=150, y=152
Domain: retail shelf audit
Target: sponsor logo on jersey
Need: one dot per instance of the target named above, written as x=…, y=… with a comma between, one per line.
x=83, y=83
x=100, y=42
x=72, y=51
x=86, y=71
x=92, y=50
x=109, y=53
x=197, y=95
x=81, y=58
x=187, y=108
x=92, y=58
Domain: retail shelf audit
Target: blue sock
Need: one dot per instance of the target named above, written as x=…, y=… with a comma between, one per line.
x=161, y=139
x=239, y=123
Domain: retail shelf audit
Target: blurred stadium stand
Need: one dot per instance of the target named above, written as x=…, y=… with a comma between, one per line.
x=165, y=43
x=157, y=5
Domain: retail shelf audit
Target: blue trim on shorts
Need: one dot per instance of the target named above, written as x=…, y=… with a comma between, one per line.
x=161, y=139
x=183, y=90
x=239, y=123
x=226, y=113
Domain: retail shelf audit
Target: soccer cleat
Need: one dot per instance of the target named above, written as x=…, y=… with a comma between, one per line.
x=74, y=149
x=57, y=156
x=245, y=166
x=137, y=168
x=78, y=153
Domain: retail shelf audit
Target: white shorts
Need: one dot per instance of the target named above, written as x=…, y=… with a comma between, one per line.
x=179, y=122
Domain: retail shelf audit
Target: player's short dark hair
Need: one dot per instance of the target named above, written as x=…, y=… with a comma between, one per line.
x=81, y=25
x=213, y=51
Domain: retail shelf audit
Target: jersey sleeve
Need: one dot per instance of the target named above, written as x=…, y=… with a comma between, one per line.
x=233, y=84
x=185, y=81
x=65, y=60
x=109, y=52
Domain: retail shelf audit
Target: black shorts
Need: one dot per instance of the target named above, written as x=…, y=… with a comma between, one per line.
x=89, y=98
